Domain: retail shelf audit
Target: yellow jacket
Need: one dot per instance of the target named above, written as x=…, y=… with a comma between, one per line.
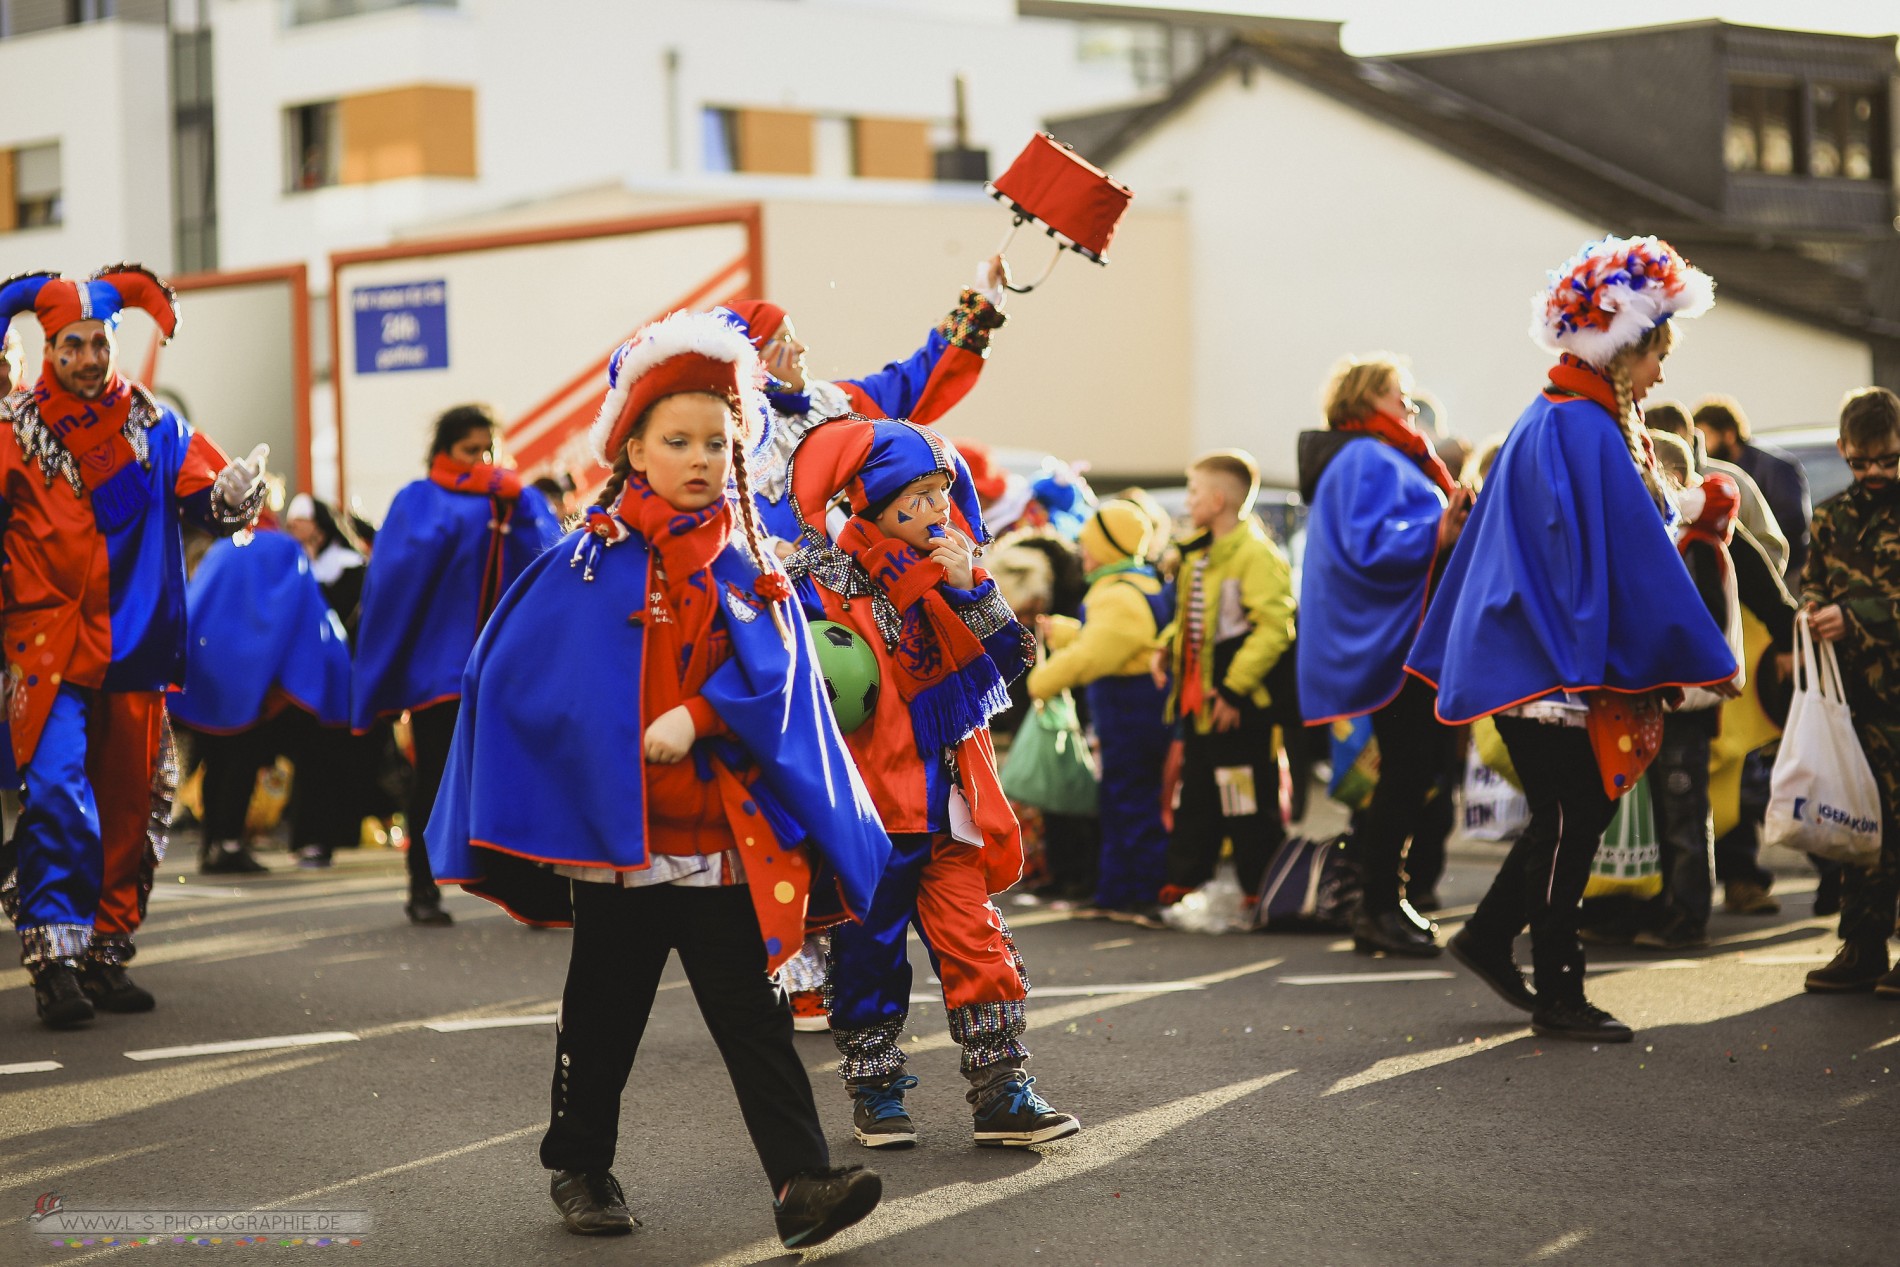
x=1247, y=588
x=1115, y=641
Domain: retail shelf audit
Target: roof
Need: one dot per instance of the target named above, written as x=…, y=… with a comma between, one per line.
x=1831, y=293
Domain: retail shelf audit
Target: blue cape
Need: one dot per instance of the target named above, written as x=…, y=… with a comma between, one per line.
x=1564, y=579
x=1370, y=541
x=422, y=596
x=546, y=762
x=258, y=621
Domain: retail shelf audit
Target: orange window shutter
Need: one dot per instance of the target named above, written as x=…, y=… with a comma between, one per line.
x=423, y=130
x=892, y=149
x=778, y=142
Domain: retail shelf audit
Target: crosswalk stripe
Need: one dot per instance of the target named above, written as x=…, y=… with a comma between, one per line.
x=242, y=1044
x=32, y=1066
x=1365, y=978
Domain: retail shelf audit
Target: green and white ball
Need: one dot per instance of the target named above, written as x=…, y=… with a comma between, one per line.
x=851, y=672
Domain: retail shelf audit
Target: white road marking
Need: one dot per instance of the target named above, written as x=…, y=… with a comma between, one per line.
x=489, y=1022
x=1568, y=1241
x=1782, y=961
x=242, y=1044
x=1364, y=978
x=1639, y=965
x=1093, y=1149
x=32, y=1066
x=1076, y=991
x=1412, y=1062
x=10, y=1180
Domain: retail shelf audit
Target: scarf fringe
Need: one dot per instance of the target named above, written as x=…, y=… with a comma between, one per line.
x=946, y=713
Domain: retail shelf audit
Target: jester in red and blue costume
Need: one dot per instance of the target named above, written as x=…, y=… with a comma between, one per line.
x=645, y=751
x=947, y=646
x=923, y=387
x=95, y=479
x=449, y=548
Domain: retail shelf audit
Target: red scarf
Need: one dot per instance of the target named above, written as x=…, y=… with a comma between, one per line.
x=502, y=487
x=93, y=431
x=1579, y=378
x=944, y=676
x=684, y=543
x=1409, y=440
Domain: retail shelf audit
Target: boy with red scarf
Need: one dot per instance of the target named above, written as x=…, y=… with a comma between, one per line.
x=95, y=477
x=903, y=574
x=663, y=631
x=450, y=545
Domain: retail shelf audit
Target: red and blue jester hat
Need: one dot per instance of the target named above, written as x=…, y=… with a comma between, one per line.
x=870, y=461
x=58, y=301
x=1612, y=293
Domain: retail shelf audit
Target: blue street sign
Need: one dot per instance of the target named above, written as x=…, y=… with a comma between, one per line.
x=401, y=327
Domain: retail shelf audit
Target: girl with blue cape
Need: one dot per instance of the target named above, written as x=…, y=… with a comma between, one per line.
x=1566, y=612
x=451, y=545
x=645, y=751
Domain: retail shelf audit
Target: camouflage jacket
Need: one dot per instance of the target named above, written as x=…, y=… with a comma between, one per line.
x=1854, y=560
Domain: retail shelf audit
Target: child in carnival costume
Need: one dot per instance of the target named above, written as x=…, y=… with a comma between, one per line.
x=1566, y=613
x=902, y=573
x=644, y=750
x=95, y=479
x=922, y=387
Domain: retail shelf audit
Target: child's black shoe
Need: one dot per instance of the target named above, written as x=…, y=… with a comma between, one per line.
x=1012, y=1115
x=591, y=1202
x=878, y=1116
x=819, y=1204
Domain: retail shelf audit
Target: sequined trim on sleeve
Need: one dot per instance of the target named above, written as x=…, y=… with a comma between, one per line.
x=969, y=324
x=988, y=615
x=843, y=576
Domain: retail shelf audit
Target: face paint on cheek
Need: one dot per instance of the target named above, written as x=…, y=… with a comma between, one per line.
x=903, y=518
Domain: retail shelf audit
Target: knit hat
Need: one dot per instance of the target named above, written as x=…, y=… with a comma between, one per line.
x=759, y=319
x=685, y=352
x=57, y=302
x=1612, y=293
x=871, y=462
x=1117, y=530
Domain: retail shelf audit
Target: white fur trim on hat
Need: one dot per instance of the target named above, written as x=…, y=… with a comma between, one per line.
x=1612, y=293
x=675, y=335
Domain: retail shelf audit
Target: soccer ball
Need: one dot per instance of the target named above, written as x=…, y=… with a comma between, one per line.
x=851, y=672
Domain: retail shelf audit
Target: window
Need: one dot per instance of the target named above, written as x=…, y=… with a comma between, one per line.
x=779, y=142
x=1849, y=141
x=310, y=146
x=37, y=201
x=1762, y=128
x=300, y=12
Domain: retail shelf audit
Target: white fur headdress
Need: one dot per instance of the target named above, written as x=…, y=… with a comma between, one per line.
x=1612, y=293
x=692, y=338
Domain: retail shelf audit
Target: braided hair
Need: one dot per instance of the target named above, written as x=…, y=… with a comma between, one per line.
x=1659, y=338
x=753, y=539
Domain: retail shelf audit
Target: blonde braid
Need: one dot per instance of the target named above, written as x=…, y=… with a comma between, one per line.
x=1631, y=425
x=749, y=519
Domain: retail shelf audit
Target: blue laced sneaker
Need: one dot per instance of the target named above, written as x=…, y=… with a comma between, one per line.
x=1014, y=1116
x=878, y=1117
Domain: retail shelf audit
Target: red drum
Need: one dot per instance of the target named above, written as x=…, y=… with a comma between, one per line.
x=1075, y=201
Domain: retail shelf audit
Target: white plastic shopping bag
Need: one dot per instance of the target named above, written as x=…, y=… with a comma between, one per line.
x=1823, y=799
x=1494, y=810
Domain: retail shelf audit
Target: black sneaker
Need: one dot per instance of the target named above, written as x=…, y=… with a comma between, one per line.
x=1014, y=1116
x=1679, y=933
x=878, y=1116
x=1579, y=1019
x=591, y=1203
x=1393, y=933
x=108, y=986
x=1856, y=966
x=1500, y=972
x=57, y=996
x=229, y=857
x=819, y=1204
x=428, y=915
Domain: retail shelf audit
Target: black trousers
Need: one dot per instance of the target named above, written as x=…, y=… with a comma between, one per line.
x=431, y=730
x=1541, y=881
x=319, y=798
x=1415, y=749
x=621, y=941
x=1199, y=821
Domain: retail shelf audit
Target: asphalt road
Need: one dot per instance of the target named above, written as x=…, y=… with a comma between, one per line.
x=1232, y=1114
